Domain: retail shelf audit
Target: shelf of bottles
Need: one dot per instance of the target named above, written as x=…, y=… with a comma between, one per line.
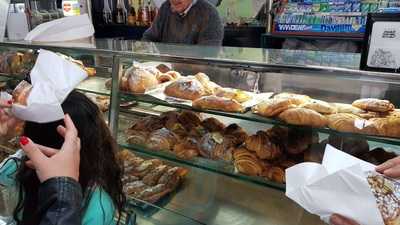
x=136, y=13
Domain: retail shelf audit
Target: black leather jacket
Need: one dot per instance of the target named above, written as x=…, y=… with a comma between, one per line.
x=60, y=202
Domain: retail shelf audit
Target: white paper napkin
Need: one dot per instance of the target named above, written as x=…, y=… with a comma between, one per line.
x=61, y=30
x=338, y=185
x=53, y=78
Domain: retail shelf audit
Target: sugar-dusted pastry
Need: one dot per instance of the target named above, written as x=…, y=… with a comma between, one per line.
x=21, y=92
x=218, y=103
x=238, y=95
x=213, y=125
x=273, y=107
x=154, y=193
x=138, y=138
x=263, y=146
x=246, y=162
x=374, y=104
x=161, y=139
x=134, y=187
x=139, y=80
x=185, y=88
x=303, y=117
x=148, y=124
x=145, y=167
x=152, y=177
x=211, y=146
x=320, y=106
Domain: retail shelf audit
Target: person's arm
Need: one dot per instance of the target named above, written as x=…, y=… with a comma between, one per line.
x=212, y=32
x=60, y=200
x=154, y=33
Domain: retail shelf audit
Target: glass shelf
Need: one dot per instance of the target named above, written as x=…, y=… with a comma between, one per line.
x=256, y=118
x=95, y=85
x=208, y=198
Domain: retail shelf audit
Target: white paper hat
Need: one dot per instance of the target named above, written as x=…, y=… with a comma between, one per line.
x=64, y=29
x=53, y=78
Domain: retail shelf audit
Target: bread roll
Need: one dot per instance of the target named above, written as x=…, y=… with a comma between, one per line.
x=185, y=88
x=273, y=107
x=303, y=117
x=346, y=122
x=218, y=103
x=139, y=80
x=373, y=104
x=389, y=127
x=263, y=146
x=347, y=108
x=296, y=98
x=21, y=93
x=209, y=86
x=320, y=106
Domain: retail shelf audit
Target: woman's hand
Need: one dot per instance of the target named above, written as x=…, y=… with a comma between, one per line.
x=340, y=220
x=390, y=168
x=50, y=163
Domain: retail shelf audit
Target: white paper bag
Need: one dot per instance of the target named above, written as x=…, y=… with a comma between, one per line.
x=61, y=30
x=53, y=78
x=338, y=185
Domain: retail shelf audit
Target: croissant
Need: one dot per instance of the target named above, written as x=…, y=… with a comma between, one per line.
x=320, y=106
x=303, y=117
x=213, y=125
x=295, y=98
x=212, y=146
x=273, y=107
x=187, y=149
x=235, y=134
x=346, y=122
x=247, y=163
x=161, y=139
x=218, y=103
x=276, y=174
x=262, y=145
x=373, y=104
x=189, y=119
x=185, y=88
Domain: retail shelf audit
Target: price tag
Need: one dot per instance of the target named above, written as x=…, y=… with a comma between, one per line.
x=4, y=4
x=382, y=38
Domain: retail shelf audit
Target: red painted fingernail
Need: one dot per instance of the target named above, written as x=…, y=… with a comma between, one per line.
x=23, y=140
x=10, y=102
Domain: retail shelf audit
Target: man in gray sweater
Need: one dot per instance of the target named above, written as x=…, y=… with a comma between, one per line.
x=187, y=22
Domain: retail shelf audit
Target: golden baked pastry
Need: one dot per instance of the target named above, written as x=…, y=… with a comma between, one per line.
x=238, y=95
x=139, y=80
x=161, y=139
x=189, y=119
x=389, y=127
x=185, y=88
x=21, y=92
x=276, y=174
x=263, y=146
x=148, y=124
x=152, y=178
x=296, y=98
x=346, y=122
x=348, y=108
x=168, y=76
x=246, y=162
x=213, y=125
x=299, y=141
x=163, y=68
x=138, y=138
x=218, y=103
x=209, y=86
x=212, y=146
x=320, y=106
x=234, y=135
x=273, y=107
x=374, y=104
x=303, y=117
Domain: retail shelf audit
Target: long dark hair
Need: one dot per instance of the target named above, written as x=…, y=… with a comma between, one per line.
x=99, y=166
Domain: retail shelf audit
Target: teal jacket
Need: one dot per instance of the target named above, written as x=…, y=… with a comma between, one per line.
x=100, y=209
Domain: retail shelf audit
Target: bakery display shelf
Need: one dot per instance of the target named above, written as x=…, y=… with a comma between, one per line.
x=94, y=85
x=249, y=116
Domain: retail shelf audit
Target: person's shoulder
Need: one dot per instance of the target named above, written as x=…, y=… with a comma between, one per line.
x=100, y=209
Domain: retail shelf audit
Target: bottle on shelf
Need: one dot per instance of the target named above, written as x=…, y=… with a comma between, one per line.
x=140, y=14
x=132, y=14
x=120, y=12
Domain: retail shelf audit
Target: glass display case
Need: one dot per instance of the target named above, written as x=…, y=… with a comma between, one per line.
x=235, y=172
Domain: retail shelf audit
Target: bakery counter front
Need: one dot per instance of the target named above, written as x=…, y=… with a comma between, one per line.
x=206, y=134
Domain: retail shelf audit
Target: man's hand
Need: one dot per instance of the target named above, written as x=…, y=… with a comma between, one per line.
x=50, y=163
x=340, y=220
x=390, y=168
